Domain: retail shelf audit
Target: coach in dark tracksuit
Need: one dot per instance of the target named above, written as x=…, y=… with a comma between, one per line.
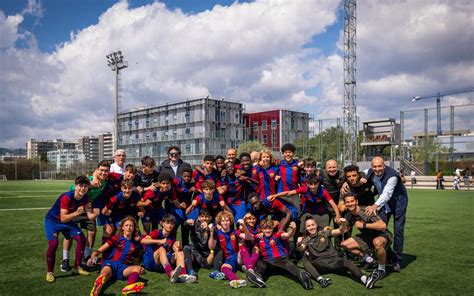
x=174, y=165
x=393, y=200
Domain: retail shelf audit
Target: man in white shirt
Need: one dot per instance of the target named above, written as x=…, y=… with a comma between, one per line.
x=119, y=162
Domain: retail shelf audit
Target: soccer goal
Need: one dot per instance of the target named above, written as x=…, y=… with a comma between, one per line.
x=3, y=177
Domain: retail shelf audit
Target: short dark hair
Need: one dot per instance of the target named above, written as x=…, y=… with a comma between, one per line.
x=219, y=157
x=170, y=218
x=148, y=161
x=209, y=158
x=288, y=146
x=173, y=148
x=243, y=154
x=204, y=212
x=165, y=177
x=312, y=179
x=103, y=163
x=187, y=170
x=309, y=161
x=208, y=184
x=347, y=194
x=351, y=168
x=127, y=184
x=131, y=168
x=83, y=180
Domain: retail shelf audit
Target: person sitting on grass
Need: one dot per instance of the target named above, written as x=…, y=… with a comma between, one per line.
x=123, y=249
x=229, y=243
x=373, y=234
x=162, y=249
x=320, y=257
x=274, y=248
x=199, y=254
x=59, y=218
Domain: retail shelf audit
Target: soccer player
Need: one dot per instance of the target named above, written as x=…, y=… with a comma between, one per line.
x=290, y=174
x=147, y=176
x=152, y=200
x=373, y=234
x=234, y=191
x=209, y=199
x=246, y=168
x=263, y=208
x=274, y=248
x=122, y=250
x=200, y=253
x=361, y=188
x=320, y=257
x=162, y=249
x=59, y=219
x=229, y=243
x=309, y=167
x=249, y=247
x=207, y=172
x=185, y=188
x=266, y=174
x=122, y=205
x=313, y=202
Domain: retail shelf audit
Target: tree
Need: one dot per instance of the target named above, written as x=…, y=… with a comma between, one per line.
x=325, y=145
x=250, y=146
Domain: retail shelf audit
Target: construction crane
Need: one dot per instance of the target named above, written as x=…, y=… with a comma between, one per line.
x=438, y=97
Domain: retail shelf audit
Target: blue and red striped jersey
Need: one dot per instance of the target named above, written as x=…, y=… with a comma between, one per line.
x=248, y=186
x=183, y=190
x=290, y=175
x=158, y=234
x=123, y=250
x=266, y=180
x=272, y=247
x=157, y=197
x=314, y=203
x=229, y=242
x=199, y=178
x=68, y=202
x=212, y=205
x=121, y=206
x=235, y=193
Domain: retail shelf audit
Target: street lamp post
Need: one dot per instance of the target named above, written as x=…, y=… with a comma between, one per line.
x=116, y=63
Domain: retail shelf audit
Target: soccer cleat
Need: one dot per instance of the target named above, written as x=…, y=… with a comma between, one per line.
x=324, y=282
x=50, y=277
x=254, y=278
x=186, y=278
x=65, y=265
x=217, y=275
x=80, y=271
x=175, y=274
x=238, y=283
x=133, y=288
x=98, y=283
x=374, y=277
x=305, y=280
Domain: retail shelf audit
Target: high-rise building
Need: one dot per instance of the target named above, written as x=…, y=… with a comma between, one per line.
x=90, y=147
x=35, y=148
x=198, y=126
x=106, y=145
x=275, y=128
x=65, y=158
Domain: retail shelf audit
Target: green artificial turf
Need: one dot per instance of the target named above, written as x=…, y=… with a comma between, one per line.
x=439, y=252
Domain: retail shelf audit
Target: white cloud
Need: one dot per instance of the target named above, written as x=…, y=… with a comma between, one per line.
x=8, y=29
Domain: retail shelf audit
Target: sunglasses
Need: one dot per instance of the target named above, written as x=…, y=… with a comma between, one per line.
x=174, y=154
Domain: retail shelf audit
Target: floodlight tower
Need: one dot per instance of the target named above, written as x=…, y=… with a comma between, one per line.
x=116, y=63
x=350, y=108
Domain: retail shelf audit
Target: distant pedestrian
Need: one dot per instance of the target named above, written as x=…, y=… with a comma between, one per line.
x=456, y=182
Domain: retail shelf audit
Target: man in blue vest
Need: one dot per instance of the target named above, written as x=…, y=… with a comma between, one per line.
x=392, y=200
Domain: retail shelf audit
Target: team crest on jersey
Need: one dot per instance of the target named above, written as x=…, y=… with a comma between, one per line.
x=232, y=237
x=272, y=175
x=272, y=242
x=323, y=239
x=294, y=168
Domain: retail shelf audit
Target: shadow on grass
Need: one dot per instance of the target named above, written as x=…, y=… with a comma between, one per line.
x=407, y=260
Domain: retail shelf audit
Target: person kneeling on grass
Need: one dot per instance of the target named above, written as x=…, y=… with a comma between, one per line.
x=320, y=257
x=274, y=248
x=59, y=218
x=122, y=249
x=161, y=249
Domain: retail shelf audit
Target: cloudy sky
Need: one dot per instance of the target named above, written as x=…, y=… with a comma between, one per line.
x=55, y=82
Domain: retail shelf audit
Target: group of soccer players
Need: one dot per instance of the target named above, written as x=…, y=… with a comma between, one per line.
x=232, y=213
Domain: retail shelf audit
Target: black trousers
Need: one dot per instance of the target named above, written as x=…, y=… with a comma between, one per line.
x=331, y=265
x=280, y=265
x=398, y=235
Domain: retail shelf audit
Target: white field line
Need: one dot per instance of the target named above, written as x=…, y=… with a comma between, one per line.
x=25, y=196
x=23, y=209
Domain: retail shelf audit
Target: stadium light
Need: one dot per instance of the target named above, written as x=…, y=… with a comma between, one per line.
x=116, y=63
